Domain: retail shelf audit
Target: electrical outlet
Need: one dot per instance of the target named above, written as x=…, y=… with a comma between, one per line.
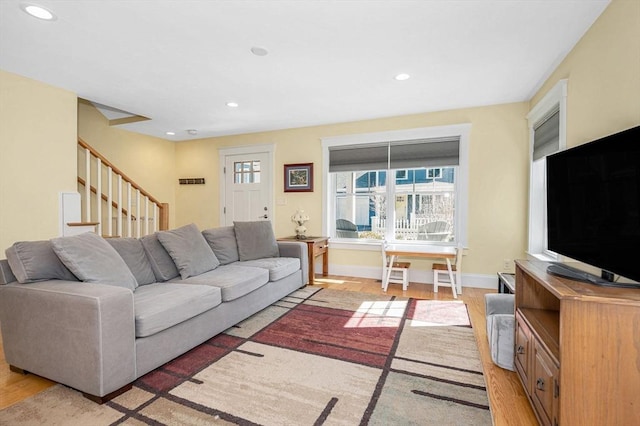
x=506, y=265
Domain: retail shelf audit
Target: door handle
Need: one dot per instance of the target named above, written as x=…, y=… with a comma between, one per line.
x=263, y=217
x=540, y=384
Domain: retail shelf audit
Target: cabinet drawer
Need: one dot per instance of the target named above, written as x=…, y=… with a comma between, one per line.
x=545, y=379
x=320, y=247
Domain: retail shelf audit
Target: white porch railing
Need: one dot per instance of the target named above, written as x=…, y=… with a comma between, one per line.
x=414, y=228
x=142, y=215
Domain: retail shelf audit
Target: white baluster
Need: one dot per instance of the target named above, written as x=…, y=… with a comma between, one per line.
x=138, y=224
x=156, y=214
x=119, y=216
x=109, y=201
x=129, y=212
x=99, y=195
x=146, y=215
x=87, y=185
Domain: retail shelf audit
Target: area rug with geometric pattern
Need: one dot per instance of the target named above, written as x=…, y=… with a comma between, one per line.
x=317, y=356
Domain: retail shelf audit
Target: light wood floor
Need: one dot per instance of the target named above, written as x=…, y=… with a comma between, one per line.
x=509, y=404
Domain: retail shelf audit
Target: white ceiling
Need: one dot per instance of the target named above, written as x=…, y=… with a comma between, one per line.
x=179, y=62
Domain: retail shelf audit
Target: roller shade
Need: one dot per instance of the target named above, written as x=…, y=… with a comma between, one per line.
x=353, y=158
x=546, y=135
x=424, y=153
x=395, y=155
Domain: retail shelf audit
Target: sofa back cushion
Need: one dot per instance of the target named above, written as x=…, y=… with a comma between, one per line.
x=189, y=250
x=32, y=261
x=163, y=267
x=256, y=240
x=133, y=254
x=223, y=243
x=93, y=260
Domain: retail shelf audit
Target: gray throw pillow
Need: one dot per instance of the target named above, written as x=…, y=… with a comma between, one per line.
x=189, y=250
x=256, y=240
x=32, y=261
x=161, y=263
x=133, y=254
x=93, y=260
x=223, y=243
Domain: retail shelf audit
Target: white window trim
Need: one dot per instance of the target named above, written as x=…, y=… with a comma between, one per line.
x=537, y=241
x=462, y=131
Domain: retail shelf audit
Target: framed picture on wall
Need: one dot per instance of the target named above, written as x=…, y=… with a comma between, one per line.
x=298, y=177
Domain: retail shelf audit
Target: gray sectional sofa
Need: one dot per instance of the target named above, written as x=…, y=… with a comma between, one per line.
x=95, y=314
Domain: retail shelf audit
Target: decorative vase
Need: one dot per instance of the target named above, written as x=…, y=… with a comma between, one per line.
x=301, y=232
x=299, y=218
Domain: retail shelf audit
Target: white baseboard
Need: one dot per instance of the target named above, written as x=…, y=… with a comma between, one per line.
x=415, y=275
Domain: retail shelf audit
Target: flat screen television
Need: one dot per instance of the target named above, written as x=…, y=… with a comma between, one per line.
x=593, y=207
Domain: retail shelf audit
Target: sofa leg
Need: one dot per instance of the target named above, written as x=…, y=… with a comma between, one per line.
x=108, y=397
x=17, y=370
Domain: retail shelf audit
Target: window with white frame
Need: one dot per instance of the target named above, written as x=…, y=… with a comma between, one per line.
x=425, y=200
x=547, y=134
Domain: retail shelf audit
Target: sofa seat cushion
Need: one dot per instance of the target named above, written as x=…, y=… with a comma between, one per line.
x=163, y=305
x=233, y=280
x=278, y=267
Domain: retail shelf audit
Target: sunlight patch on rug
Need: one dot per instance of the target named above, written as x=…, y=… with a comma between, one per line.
x=378, y=314
x=435, y=313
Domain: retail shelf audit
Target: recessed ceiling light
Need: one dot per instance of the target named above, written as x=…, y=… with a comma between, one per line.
x=233, y=104
x=38, y=12
x=402, y=77
x=170, y=133
x=259, y=51
x=192, y=131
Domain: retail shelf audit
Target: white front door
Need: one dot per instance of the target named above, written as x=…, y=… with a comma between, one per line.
x=248, y=186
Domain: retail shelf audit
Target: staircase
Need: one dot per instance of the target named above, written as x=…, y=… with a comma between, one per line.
x=112, y=203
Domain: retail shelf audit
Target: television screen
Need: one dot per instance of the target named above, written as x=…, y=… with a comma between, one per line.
x=593, y=203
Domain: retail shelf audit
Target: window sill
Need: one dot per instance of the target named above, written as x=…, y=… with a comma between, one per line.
x=541, y=256
x=374, y=245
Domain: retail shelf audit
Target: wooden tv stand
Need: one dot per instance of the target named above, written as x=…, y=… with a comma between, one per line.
x=577, y=348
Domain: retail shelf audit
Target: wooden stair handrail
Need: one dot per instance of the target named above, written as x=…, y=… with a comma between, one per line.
x=118, y=171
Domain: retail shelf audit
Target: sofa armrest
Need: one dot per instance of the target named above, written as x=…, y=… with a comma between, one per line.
x=6, y=274
x=78, y=334
x=299, y=250
x=501, y=335
x=499, y=304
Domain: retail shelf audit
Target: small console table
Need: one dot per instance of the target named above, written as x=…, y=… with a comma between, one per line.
x=506, y=282
x=316, y=246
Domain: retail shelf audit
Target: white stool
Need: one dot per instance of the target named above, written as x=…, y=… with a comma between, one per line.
x=399, y=270
x=441, y=274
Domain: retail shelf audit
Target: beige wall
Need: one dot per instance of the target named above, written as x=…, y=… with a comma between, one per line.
x=603, y=72
x=498, y=178
x=37, y=157
x=148, y=161
x=604, y=82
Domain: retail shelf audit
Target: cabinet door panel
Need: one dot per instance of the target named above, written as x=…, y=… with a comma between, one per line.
x=522, y=350
x=545, y=391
